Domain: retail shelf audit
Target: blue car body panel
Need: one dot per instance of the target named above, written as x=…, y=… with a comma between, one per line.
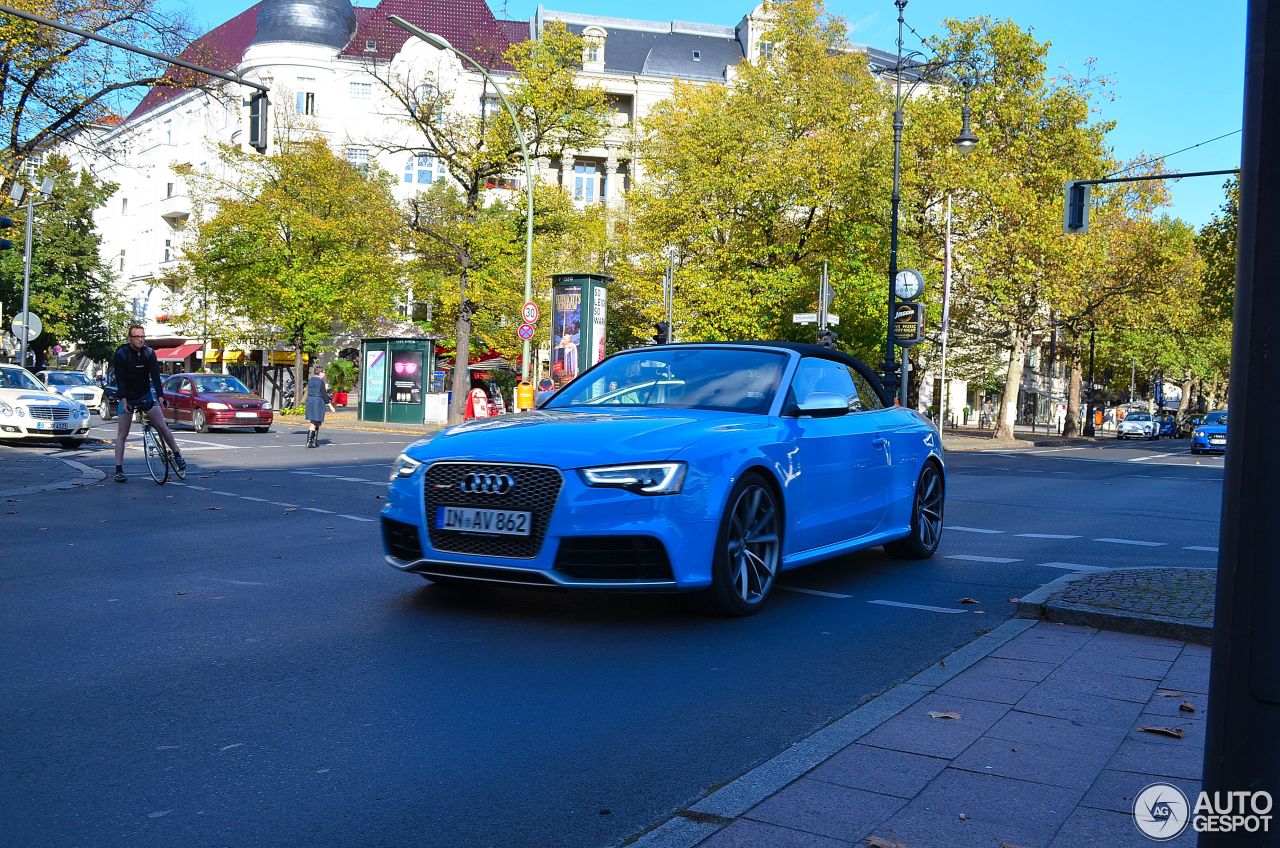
x=847, y=482
x=1202, y=437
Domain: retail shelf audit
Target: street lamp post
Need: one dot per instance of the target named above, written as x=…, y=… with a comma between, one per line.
x=440, y=43
x=46, y=189
x=965, y=143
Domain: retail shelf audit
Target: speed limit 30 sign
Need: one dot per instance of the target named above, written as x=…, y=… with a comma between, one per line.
x=529, y=312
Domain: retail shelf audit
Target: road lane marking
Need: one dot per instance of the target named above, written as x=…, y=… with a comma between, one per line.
x=919, y=607
x=970, y=529
x=355, y=517
x=1056, y=450
x=1073, y=566
x=1046, y=536
x=820, y=594
x=971, y=558
x=1205, y=548
x=1154, y=456
x=1132, y=542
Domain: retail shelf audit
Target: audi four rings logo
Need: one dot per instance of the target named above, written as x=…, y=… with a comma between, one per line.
x=487, y=484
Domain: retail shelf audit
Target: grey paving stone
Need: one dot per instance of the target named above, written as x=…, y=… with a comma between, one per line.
x=1171, y=704
x=1165, y=760
x=1077, y=706
x=1114, y=830
x=826, y=809
x=998, y=809
x=981, y=686
x=1102, y=684
x=1140, y=667
x=1014, y=669
x=752, y=834
x=1035, y=762
x=1017, y=726
x=1046, y=643
x=1115, y=790
x=914, y=731
x=880, y=770
x=1133, y=645
x=1190, y=671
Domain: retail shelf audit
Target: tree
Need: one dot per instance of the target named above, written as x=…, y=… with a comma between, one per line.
x=459, y=230
x=71, y=288
x=303, y=242
x=58, y=85
x=1217, y=244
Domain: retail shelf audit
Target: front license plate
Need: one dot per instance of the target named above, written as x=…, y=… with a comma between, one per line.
x=246, y=415
x=1217, y=441
x=503, y=522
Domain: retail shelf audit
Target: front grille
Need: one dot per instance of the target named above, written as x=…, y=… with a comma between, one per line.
x=401, y=540
x=49, y=413
x=613, y=558
x=536, y=489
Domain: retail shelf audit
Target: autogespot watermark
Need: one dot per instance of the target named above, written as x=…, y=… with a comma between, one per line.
x=1161, y=811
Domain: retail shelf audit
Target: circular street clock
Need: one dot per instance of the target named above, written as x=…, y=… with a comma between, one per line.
x=908, y=285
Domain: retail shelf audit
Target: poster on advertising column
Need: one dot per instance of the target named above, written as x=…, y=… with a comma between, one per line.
x=566, y=333
x=599, y=301
x=375, y=375
x=406, y=376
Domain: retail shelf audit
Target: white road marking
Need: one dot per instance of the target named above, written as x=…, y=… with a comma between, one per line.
x=255, y=500
x=316, y=509
x=355, y=517
x=1047, y=536
x=1205, y=548
x=1153, y=456
x=960, y=529
x=971, y=558
x=1056, y=450
x=919, y=607
x=802, y=590
x=1132, y=542
x=227, y=494
x=1073, y=566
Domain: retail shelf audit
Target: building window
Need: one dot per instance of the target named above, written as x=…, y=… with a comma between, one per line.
x=168, y=250
x=361, y=90
x=697, y=55
x=428, y=100
x=586, y=183
x=359, y=158
x=122, y=259
x=370, y=46
x=490, y=105
x=33, y=165
x=168, y=190
x=168, y=132
x=305, y=99
x=766, y=50
x=124, y=206
x=593, y=53
x=421, y=169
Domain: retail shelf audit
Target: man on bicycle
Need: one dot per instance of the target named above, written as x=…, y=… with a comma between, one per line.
x=138, y=386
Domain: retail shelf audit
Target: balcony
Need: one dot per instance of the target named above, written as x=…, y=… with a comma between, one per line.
x=175, y=210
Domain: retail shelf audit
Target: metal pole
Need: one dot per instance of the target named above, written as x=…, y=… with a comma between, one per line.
x=26, y=281
x=439, y=42
x=889, y=365
x=1088, y=423
x=1242, y=724
x=1133, y=376
x=946, y=318
x=668, y=294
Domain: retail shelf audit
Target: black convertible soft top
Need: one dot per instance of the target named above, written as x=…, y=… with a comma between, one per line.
x=814, y=350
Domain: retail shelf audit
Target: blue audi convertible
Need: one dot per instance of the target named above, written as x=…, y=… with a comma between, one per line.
x=693, y=467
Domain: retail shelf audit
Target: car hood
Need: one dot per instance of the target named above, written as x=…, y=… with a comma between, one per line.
x=1128, y=423
x=28, y=396
x=226, y=397
x=577, y=439
x=1211, y=429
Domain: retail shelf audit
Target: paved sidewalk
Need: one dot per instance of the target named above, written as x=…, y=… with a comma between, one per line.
x=1036, y=735
x=25, y=472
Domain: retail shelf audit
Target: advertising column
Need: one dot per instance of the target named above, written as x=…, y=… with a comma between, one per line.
x=579, y=321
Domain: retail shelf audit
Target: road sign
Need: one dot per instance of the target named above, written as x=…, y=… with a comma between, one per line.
x=526, y=332
x=28, y=324
x=804, y=317
x=908, y=323
x=529, y=312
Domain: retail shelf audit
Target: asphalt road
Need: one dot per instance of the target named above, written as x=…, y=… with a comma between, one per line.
x=229, y=662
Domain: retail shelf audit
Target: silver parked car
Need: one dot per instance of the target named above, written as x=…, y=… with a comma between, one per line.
x=75, y=385
x=1138, y=425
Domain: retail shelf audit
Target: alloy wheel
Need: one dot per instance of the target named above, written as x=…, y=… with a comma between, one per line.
x=753, y=544
x=929, y=507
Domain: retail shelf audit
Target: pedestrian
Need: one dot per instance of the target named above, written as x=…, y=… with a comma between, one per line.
x=318, y=400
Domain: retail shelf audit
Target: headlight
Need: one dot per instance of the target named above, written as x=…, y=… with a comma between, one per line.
x=216, y=405
x=82, y=410
x=5, y=409
x=1199, y=434
x=658, y=478
x=404, y=466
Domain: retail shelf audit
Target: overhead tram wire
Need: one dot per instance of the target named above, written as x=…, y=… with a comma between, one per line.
x=1168, y=155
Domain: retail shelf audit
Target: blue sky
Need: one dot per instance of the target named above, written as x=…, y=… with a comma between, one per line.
x=1177, y=67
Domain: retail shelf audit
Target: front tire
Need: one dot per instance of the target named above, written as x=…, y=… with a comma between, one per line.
x=156, y=466
x=926, y=518
x=199, y=421
x=106, y=411
x=71, y=444
x=748, y=549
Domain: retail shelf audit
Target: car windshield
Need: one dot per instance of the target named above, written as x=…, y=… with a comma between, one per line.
x=1138, y=416
x=220, y=385
x=67, y=378
x=679, y=378
x=19, y=378
x=1216, y=418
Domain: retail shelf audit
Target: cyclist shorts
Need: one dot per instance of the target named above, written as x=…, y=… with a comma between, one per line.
x=144, y=403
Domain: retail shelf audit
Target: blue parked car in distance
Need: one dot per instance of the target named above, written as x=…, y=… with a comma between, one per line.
x=706, y=468
x=1210, y=435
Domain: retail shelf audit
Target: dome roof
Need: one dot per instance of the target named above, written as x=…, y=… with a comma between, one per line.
x=330, y=23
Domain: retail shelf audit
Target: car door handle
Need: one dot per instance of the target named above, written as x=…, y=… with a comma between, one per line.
x=879, y=442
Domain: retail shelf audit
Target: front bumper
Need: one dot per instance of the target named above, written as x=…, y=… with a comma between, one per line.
x=595, y=539
x=17, y=428
x=1204, y=444
x=231, y=418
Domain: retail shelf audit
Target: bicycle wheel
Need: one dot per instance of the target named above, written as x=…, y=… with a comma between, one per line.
x=157, y=462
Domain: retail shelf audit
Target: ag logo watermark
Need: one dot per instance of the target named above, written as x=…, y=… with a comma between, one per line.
x=1161, y=811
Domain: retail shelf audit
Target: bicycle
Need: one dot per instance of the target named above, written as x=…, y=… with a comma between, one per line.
x=159, y=458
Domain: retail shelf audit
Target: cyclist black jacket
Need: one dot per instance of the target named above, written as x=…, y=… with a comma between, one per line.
x=137, y=372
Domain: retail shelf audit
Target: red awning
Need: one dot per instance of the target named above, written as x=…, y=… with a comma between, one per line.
x=177, y=354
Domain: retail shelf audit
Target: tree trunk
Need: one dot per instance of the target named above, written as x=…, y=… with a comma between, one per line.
x=1185, y=403
x=299, y=378
x=1008, y=413
x=1071, y=427
x=461, y=360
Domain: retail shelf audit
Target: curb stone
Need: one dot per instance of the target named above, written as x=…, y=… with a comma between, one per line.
x=87, y=476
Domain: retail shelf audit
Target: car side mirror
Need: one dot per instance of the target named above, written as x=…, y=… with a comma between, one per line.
x=823, y=405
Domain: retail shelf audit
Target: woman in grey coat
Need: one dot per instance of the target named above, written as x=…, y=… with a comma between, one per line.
x=318, y=400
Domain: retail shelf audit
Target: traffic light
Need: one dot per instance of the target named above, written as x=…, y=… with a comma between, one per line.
x=258, y=125
x=1076, y=216
x=663, y=334
x=5, y=223
x=827, y=338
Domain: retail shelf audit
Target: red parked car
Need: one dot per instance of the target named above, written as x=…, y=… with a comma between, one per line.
x=214, y=400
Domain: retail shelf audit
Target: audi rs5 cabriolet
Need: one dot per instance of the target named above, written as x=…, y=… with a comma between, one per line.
x=706, y=467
